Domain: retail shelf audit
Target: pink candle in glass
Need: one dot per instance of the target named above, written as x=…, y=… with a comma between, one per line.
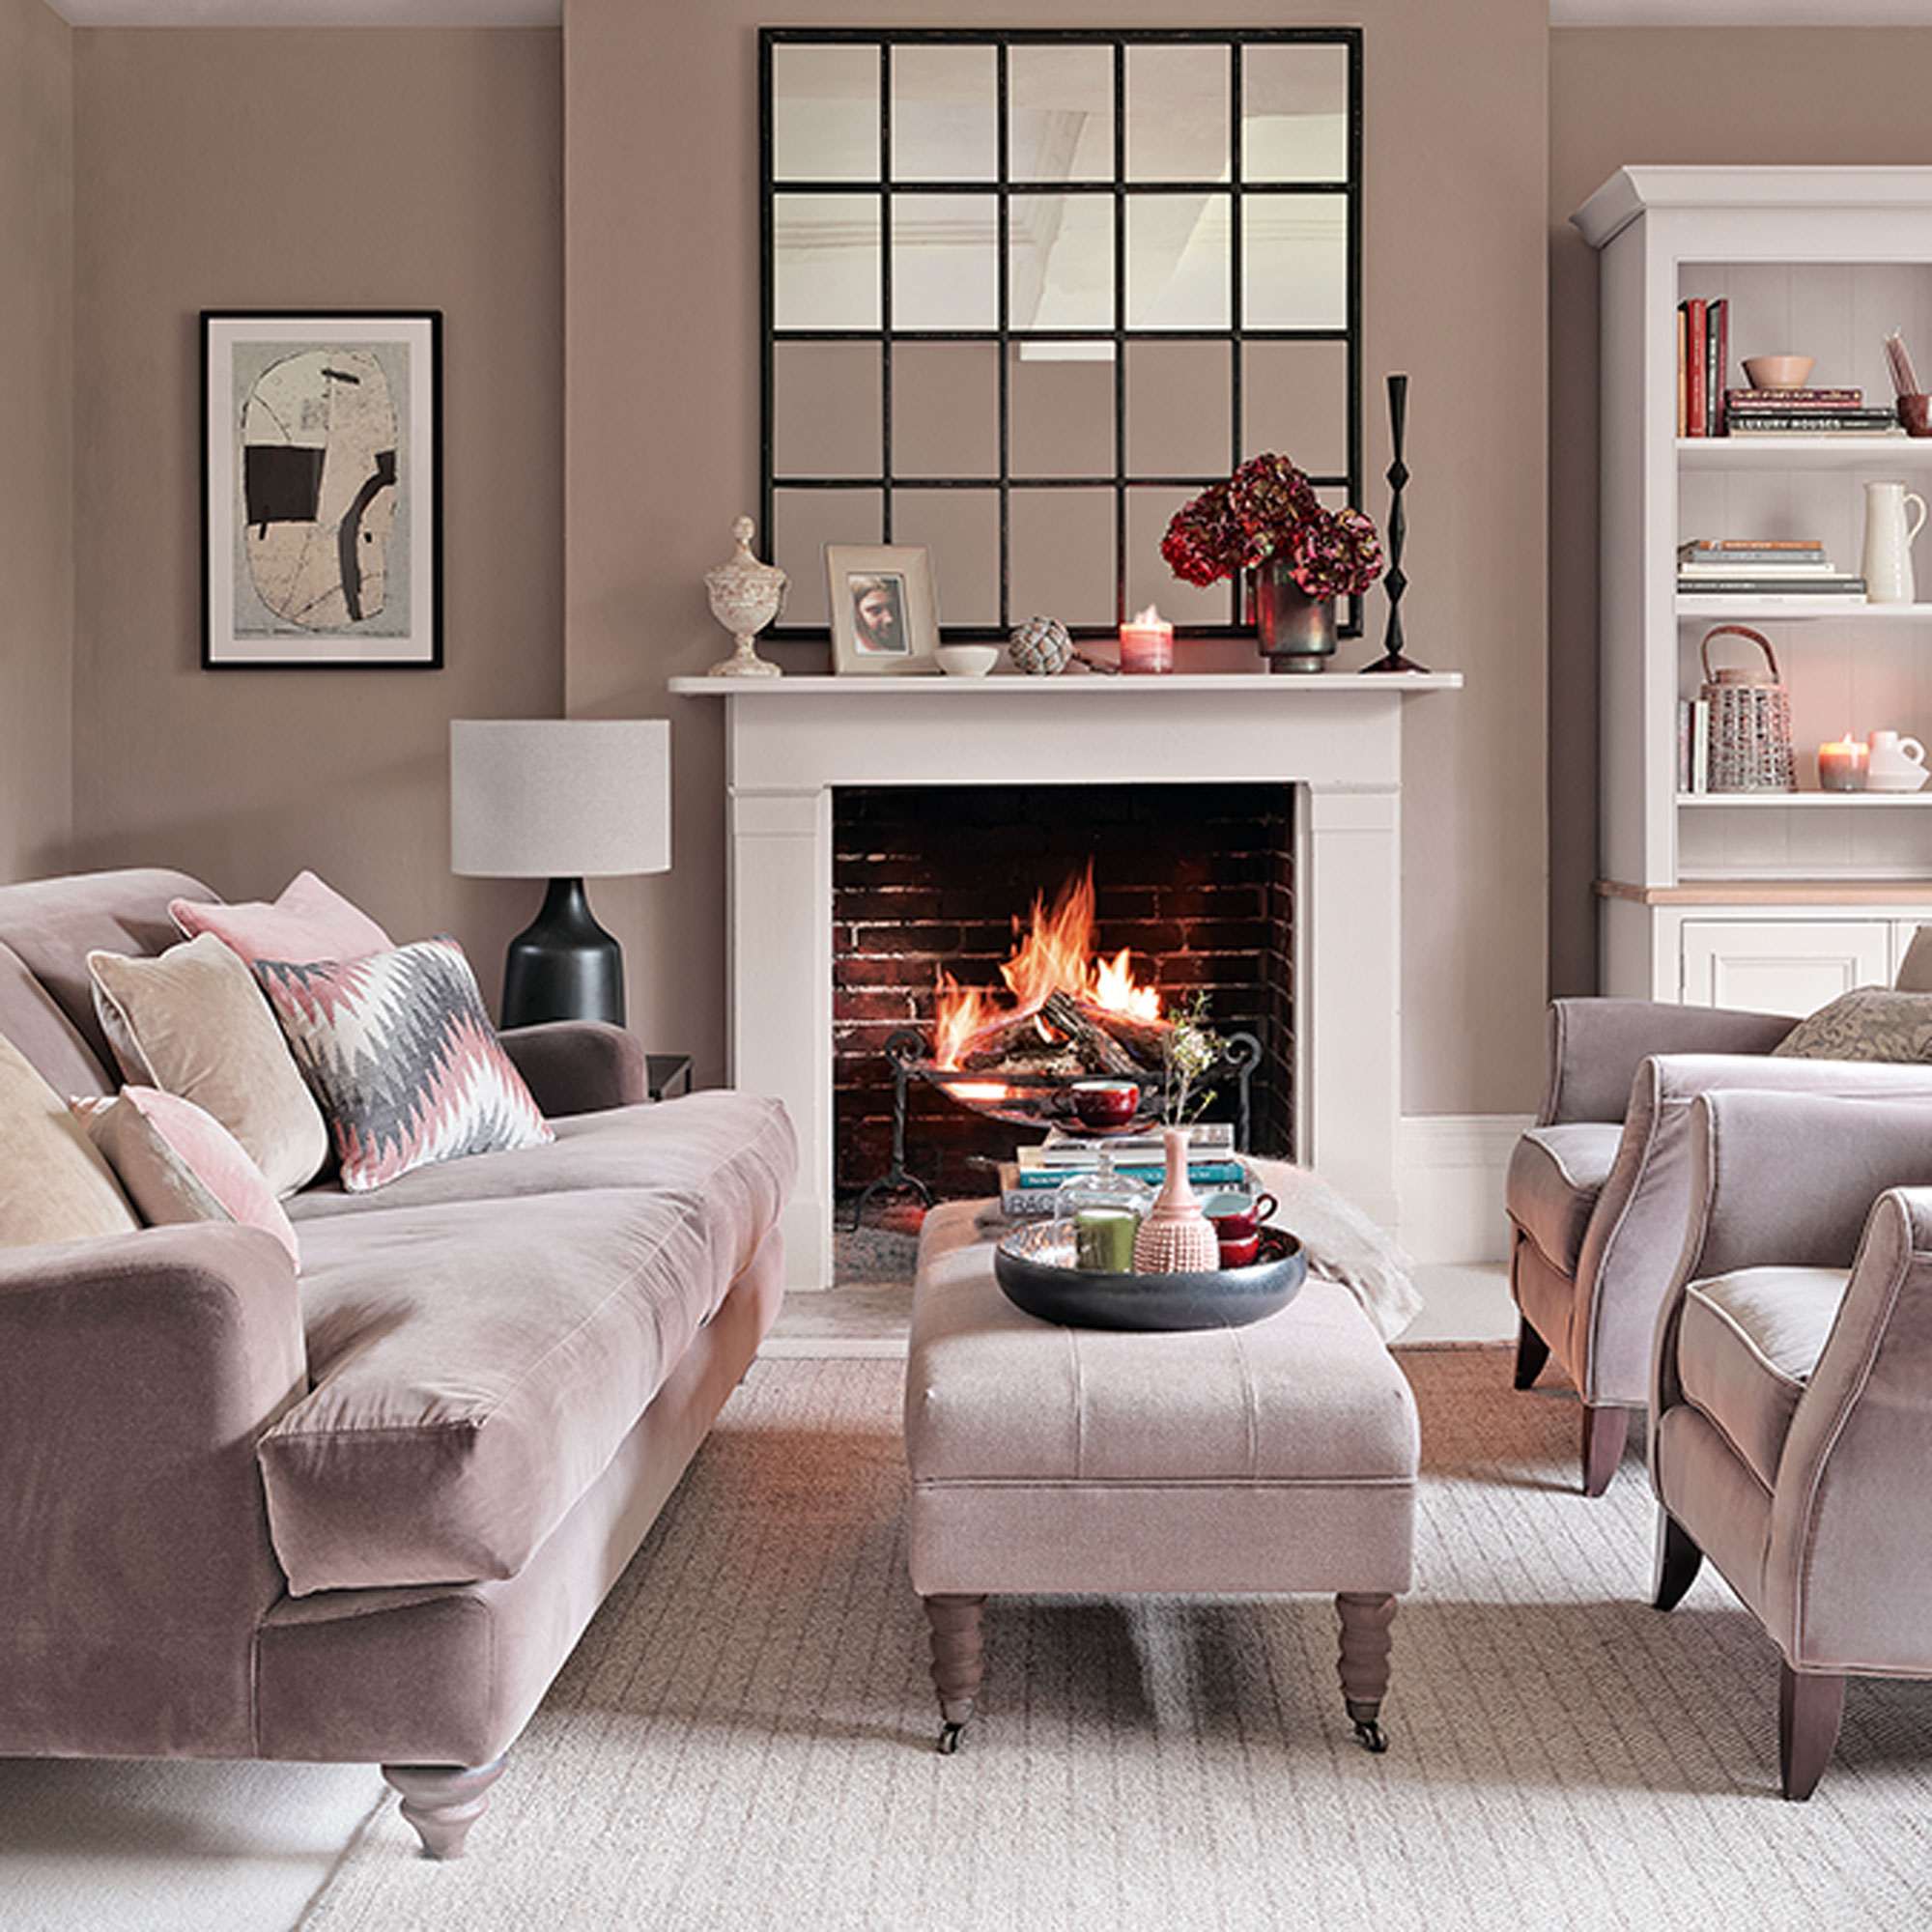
x=1147, y=643
x=1841, y=766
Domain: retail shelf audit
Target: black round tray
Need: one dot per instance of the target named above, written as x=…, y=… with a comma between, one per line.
x=1031, y=1265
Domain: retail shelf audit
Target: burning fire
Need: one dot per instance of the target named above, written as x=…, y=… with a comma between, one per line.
x=1054, y=954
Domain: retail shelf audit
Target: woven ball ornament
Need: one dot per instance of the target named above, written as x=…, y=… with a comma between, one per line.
x=1041, y=646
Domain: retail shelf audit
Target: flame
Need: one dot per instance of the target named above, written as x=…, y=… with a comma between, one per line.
x=1055, y=953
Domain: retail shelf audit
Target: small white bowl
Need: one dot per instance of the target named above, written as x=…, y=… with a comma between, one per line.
x=968, y=660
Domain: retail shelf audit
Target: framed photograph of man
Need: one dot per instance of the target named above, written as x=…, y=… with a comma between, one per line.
x=885, y=619
x=321, y=513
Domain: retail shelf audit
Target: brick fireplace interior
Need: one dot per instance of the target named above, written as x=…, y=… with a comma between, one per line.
x=1195, y=880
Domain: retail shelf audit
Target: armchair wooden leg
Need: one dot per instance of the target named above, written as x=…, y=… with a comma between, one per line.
x=1606, y=1431
x=1531, y=1352
x=1810, y=1706
x=443, y=1801
x=1678, y=1561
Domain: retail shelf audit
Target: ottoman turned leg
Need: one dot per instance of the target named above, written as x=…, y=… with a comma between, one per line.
x=956, y=1661
x=1364, y=1662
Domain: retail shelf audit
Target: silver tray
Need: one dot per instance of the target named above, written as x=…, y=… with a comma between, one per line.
x=1034, y=1267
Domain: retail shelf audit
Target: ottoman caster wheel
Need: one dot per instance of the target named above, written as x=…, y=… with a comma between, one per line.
x=1369, y=1733
x=949, y=1733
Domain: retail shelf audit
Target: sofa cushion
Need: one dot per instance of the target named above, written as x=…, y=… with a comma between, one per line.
x=1748, y=1344
x=54, y=1185
x=1869, y=1023
x=180, y=1164
x=1555, y=1175
x=400, y=1052
x=477, y=1362
x=309, y=921
x=193, y=1022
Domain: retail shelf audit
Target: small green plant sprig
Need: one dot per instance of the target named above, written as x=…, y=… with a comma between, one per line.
x=1190, y=1049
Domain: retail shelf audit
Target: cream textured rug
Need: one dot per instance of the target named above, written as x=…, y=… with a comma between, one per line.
x=744, y=1738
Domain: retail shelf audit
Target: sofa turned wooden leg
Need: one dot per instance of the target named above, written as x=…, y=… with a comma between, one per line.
x=1606, y=1431
x=1363, y=1665
x=443, y=1801
x=1531, y=1352
x=1810, y=1707
x=1678, y=1561
x=956, y=1661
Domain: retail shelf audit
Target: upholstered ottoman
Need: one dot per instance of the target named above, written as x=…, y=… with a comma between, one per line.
x=1276, y=1457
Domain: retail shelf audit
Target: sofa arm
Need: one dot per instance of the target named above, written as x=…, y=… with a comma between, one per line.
x=577, y=1066
x=1596, y=1046
x=1849, y=1567
x=135, y=1373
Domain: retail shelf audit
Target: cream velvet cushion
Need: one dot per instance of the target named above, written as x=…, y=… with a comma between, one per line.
x=193, y=1022
x=54, y=1185
x=180, y=1164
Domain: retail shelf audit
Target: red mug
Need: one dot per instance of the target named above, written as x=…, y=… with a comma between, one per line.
x=1237, y=1217
x=1240, y=1254
x=1106, y=1103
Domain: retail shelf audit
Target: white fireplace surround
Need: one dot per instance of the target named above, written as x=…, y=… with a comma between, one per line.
x=793, y=741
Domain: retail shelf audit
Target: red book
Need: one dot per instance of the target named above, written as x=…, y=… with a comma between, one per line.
x=1696, y=415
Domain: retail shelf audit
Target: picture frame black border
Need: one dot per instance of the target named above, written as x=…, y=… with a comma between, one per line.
x=430, y=499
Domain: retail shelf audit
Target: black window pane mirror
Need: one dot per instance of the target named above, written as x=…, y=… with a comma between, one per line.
x=1025, y=292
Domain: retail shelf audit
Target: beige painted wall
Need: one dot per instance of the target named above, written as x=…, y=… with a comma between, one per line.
x=1619, y=96
x=250, y=169
x=36, y=440
x=662, y=274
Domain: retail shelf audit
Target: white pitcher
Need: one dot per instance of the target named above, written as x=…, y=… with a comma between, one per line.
x=1898, y=762
x=1887, y=558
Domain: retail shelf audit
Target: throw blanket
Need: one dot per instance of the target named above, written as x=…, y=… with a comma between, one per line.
x=1342, y=1244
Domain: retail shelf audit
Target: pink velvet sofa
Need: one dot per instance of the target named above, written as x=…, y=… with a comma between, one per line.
x=360, y=1512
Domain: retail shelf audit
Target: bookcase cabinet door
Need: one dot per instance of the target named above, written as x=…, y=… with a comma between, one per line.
x=1783, y=966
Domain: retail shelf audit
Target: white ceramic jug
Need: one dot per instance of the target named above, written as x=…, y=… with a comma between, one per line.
x=1896, y=764
x=1887, y=558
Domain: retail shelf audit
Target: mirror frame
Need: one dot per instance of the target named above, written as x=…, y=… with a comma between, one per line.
x=1344, y=485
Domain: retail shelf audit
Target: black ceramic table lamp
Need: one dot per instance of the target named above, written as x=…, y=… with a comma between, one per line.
x=563, y=800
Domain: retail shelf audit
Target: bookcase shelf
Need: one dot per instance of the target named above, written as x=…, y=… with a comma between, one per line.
x=1821, y=262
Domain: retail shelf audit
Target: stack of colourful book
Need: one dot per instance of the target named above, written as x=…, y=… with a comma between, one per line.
x=1803, y=413
x=1703, y=352
x=1765, y=569
x=1028, y=1182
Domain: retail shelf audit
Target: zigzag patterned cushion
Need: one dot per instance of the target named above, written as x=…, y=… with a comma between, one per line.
x=403, y=1058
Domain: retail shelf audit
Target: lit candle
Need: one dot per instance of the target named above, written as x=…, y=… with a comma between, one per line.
x=1841, y=766
x=1147, y=643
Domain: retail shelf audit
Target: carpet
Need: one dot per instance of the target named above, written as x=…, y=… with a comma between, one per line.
x=745, y=1736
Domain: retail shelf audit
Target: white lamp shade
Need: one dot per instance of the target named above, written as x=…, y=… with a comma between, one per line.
x=559, y=798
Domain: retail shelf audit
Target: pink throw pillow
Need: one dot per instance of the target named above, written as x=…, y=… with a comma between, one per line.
x=177, y=1163
x=310, y=921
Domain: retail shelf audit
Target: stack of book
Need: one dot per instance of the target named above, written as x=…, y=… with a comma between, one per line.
x=1803, y=413
x=1028, y=1182
x=1766, y=570
x=1703, y=350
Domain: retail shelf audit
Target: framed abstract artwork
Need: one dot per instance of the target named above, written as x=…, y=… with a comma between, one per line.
x=322, y=489
x=885, y=619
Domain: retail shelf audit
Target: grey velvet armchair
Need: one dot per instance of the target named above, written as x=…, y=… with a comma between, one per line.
x=1598, y=1190
x=1791, y=1404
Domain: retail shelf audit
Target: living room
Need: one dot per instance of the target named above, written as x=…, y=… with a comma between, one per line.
x=578, y=198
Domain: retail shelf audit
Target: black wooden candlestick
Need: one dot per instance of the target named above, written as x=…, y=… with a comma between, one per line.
x=1393, y=580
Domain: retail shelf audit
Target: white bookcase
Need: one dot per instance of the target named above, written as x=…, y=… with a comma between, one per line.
x=1776, y=902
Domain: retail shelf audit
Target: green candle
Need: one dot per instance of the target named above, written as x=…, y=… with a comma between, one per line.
x=1103, y=1240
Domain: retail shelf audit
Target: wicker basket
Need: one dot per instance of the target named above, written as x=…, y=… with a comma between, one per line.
x=1750, y=720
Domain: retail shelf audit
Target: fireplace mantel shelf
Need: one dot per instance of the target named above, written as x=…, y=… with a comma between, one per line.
x=1228, y=683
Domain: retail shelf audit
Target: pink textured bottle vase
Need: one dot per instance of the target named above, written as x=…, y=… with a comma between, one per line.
x=1177, y=1238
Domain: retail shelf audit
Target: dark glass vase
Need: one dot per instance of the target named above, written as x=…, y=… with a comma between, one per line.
x=1296, y=632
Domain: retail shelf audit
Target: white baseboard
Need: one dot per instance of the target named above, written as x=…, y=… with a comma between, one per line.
x=1451, y=1171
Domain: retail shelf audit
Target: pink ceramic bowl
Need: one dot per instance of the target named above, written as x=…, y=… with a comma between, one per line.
x=1777, y=372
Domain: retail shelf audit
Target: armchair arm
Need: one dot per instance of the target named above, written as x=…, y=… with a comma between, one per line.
x=1635, y=1236
x=577, y=1066
x=135, y=1375
x=1784, y=1178
x=1849, y=1568
x=1595, y=1047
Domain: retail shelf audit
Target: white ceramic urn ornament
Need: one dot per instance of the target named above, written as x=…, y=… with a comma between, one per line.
x=745, y=595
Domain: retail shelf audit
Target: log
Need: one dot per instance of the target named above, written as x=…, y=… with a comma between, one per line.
x=1005, y=1040
x=1082, y=1025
